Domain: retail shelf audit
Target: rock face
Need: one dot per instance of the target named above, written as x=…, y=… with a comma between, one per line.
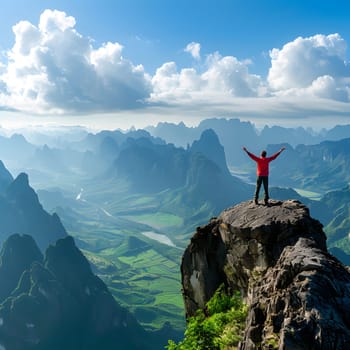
x=17, y=254
x=58, y=303
x=298, y=294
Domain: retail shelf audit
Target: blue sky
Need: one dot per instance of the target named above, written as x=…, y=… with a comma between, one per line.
x=110, y=64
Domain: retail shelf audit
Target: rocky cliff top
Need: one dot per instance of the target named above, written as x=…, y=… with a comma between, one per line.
x=298, y=294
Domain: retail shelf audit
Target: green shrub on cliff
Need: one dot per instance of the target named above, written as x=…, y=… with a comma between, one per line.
x=219, y=327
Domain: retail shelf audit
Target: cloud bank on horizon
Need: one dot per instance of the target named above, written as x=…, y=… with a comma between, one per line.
x=54, y=69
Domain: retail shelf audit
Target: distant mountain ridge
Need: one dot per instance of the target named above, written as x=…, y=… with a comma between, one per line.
x=150, y=167
x=314, y=161
x=15, y=150
x=93, y=154
x=199, y=174
x=234, y=133
x=321, y=167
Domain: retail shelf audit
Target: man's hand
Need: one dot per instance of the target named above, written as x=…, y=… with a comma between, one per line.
x=282, y=149
x=244, y=149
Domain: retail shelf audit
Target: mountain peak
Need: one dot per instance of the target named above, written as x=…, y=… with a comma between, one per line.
x=66, y=261
x=276, y=256
x=210, y=146
x=19, y=186
x=23, y=213
x=209, y=134
x=22, y=179
x=17, y=254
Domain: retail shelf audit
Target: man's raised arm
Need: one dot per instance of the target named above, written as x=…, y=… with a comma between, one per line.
x=277, y=153
x=251, y=155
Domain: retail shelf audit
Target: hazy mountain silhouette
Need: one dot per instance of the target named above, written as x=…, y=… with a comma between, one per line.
x=109, y=148
x=198, y=174
x=93, y=142
x=234, y=133
x=209, y=145
x=21, y=212
x=90, y=156
x=15, y=150
x=321, y=167
x=207, y=182
x=178, y=134
x=293, y=136
x=150, y=167
x=336, y=133
x=58, y=136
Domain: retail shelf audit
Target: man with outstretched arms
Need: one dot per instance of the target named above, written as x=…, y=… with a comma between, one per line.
x=262, y=172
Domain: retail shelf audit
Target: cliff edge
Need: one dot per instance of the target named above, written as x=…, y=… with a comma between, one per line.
x=298, y=294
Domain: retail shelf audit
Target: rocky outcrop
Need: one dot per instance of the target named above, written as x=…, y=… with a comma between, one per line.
x=58, y=303
x=17, y=254
x=298, y=294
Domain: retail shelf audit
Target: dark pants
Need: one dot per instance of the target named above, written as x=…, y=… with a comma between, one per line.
x=265, y=181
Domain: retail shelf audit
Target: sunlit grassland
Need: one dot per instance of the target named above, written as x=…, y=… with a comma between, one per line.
x=158, y=220
x=309, y=194
x=104, y=265
x=148, y=283
x=151, y=261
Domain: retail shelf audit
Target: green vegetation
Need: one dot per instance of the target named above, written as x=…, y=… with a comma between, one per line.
x=272, y=342
x=309, y=194
x=342, y=244
x=143, y=275
x=219, y=327
x=158, y=220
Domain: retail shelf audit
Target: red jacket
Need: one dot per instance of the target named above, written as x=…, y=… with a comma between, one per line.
x=262, y=163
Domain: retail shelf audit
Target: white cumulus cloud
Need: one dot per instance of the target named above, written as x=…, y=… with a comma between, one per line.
x=194, y=49
x=221, y=76
x=230, y=75
x=311, y=66
x=53, y=68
